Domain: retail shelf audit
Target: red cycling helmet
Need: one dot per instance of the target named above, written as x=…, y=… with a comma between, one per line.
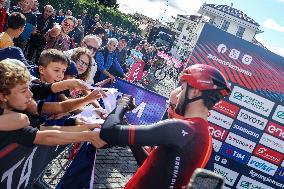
x=205, y=77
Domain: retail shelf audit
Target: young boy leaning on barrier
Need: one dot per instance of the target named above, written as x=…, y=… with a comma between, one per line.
x=51, y=68
x=15, y=95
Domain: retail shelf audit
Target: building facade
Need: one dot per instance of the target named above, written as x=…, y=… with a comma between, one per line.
x=187, y=28
x=231, y=20
x=227, y=18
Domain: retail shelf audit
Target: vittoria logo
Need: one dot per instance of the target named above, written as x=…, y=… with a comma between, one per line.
x=229, y=175
x=272, y=142
x=240, y=142
x=268, y=154
x=248, y=183
x=252, y=119
x=217, y=132
x=220, y=119
x=226, y=108
x=235, y=153
x=262, y=165
x=275, y=130
x=251, y=101
x=279, y=114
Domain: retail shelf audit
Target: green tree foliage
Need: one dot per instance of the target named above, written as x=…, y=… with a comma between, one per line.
x=107, y=9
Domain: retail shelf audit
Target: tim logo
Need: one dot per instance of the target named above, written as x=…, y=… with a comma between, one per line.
x=235, y=154
x=235, y=54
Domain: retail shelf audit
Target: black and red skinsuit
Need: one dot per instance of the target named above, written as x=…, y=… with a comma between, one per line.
x=183, y=146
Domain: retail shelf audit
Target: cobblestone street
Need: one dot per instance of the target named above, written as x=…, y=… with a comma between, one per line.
x=114, y=167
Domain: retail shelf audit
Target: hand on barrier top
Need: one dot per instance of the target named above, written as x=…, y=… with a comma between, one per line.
x=103, y=82
x=112, y=78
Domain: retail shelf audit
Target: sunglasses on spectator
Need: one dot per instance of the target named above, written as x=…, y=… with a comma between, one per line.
x=91, y=47
x=82, y=63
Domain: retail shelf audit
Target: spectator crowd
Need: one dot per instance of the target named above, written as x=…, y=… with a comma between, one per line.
x=50, y=58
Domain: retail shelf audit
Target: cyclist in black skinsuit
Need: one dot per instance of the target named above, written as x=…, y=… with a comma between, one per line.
x=184, y=144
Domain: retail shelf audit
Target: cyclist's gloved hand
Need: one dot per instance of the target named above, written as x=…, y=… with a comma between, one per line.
x=127, y=101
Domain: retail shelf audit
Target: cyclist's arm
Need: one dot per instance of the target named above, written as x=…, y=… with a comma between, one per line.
x=161, y=133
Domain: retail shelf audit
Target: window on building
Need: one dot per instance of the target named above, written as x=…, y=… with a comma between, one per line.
x=225, y=25
x=184, y=37
x=180, y=26
x=240, y=31
x=188, y=27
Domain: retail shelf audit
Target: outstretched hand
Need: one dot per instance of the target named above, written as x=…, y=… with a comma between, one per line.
x=77, y=84
x=96, y=94
x=128, y=101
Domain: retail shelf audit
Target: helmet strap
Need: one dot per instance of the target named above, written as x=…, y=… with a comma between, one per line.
x=185, y=101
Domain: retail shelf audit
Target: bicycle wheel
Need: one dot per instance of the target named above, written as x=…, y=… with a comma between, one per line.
x=160, y=74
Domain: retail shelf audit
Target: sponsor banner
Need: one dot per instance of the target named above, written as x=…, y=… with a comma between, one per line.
x=248, y=183
x=275, y=130
x=280, y=174
x=21, y=166
x=229, y=175
x=279, y=114
x=268, y=154
x=252, y=119
x=220, y=119
x=265, y=179
x=226, y=108
x=235, y=153
x=216, y=145
x=246, y=131
x=217, y=132
x=240, y=142
x=257, y=79
x=251, y=101
x=150, y=106
x=262, y=165
x=272, y=142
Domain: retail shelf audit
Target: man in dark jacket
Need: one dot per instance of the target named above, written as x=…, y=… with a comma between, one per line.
x=37, y=41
